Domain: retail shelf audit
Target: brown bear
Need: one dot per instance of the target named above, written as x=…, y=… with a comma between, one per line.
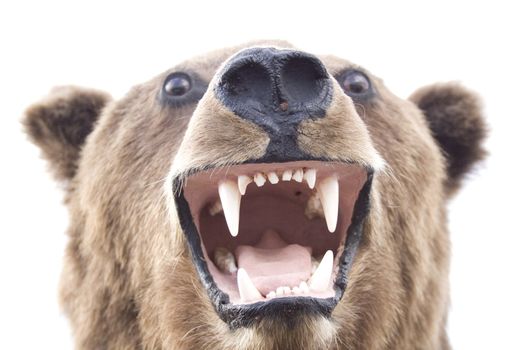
x=259, y=197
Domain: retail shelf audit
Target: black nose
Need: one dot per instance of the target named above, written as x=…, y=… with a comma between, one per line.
x=276, y=89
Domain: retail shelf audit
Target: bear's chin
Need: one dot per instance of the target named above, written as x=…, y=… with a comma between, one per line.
x=274, y=241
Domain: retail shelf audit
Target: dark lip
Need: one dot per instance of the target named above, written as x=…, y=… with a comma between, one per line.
x=283, y=310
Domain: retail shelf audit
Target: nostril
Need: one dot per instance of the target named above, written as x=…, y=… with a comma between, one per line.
x=248, y=83
x=275, y=89
x=303, y=79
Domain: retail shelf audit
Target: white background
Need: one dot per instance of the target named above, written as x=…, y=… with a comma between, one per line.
x=114, y=46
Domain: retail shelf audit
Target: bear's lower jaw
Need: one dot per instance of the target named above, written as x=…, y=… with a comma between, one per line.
x=274, y=239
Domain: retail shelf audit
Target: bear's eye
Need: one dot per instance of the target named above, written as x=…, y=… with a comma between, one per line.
x=355, y=83
x=177, y=84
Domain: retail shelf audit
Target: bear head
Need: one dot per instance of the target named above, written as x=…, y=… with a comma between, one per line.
x=258, y=197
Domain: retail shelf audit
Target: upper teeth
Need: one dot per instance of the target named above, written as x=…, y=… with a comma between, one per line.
x=309, y=176
x=314, y=208
x=259, y=179
x=224, y=260
x=329, y=193
x=298, y=175
x=273, y=178
x=243, y=181
x=231, y=204
x=230, y=194
x=215, y=208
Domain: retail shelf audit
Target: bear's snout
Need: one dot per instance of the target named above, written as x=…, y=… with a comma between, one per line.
x=275, y=89
x=269, y=105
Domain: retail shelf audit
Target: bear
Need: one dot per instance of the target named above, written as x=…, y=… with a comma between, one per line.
x=258, y=197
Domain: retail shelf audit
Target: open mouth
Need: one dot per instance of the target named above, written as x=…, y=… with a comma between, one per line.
x=267, y=235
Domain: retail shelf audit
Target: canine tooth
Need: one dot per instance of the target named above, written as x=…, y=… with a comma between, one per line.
x=247, y=290
x=304, y=287
x=273, y=178
x=329, y=193
x=298, y=175
x=270, y=295
x=215, y=209
x=320, y=280
x=243, y=181
x=287, y=175
x=259, y=179
x=309, y=176
x=315, y=264
x=231, y=204
x=224, y=260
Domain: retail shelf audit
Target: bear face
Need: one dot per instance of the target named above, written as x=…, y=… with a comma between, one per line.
x=259, y=197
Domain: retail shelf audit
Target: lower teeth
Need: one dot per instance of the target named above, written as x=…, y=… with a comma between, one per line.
x=301, y=289
x=319, y=280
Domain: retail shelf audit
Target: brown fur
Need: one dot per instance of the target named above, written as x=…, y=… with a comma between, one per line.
x=60, y=124
x=453, y=114
x=128, y=280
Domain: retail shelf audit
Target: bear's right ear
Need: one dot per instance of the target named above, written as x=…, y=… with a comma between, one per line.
x=455, y=118
x=60, y=123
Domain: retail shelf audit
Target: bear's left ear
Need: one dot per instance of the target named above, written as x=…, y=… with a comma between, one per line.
x=60, y=123
x=455, y=118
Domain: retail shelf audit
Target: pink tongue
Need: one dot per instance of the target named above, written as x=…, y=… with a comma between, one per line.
x=272, y=263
